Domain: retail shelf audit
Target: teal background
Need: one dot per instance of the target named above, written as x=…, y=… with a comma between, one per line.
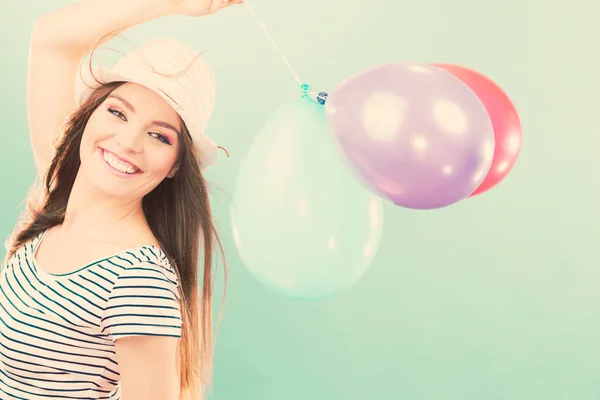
x=494, y=298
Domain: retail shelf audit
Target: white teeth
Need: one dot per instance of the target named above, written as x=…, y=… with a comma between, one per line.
x=118, y=164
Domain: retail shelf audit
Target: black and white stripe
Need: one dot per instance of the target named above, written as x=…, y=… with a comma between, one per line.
x=57, y=332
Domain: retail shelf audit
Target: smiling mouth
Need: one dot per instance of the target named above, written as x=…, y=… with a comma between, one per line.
x=118, y=165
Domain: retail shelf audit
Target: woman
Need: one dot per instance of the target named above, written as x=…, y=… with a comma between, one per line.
x=99, y=294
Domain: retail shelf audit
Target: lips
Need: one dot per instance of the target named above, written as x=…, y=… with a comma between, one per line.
x=125, y=160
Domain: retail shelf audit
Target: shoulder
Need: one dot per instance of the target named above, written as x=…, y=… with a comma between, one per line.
x=147, y=267
x=149, y=257
x=21, y=250
x=144, y=258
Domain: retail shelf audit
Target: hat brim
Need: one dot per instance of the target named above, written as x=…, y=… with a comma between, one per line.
x=87, y=82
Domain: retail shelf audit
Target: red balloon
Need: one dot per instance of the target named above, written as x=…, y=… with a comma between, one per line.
x=504, y=118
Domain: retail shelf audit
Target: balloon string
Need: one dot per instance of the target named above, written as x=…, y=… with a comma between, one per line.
x=264, y=28
x=304, y=86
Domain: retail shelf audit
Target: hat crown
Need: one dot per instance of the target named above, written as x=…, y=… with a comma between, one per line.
x=180, y=73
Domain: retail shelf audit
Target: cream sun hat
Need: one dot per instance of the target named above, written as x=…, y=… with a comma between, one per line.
x=189, y=86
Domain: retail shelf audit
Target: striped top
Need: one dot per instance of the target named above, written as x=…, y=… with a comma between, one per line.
x=57, y=331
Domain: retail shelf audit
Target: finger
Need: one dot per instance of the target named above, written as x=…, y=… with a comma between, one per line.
x=221, y=4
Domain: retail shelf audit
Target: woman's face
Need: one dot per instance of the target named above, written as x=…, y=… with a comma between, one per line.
x=130, y=143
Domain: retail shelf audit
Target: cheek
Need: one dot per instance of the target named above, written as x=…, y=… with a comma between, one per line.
x=92, y=129
x=87, y=139
x=162, y=161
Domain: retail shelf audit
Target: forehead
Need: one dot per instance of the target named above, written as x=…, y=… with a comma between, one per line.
x=146, y=103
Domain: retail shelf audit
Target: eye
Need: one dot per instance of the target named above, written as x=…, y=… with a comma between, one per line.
x=117, y=113
x=160, y=137
x=156, y=135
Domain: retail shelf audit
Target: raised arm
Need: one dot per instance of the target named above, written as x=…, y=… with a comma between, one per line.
x=59, y=41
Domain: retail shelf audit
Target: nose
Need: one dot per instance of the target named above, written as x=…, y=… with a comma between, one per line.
x=130, y=140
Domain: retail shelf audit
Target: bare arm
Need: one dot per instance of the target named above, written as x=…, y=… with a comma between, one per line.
x=76, y=28
x=59, y=41
x=149, y=367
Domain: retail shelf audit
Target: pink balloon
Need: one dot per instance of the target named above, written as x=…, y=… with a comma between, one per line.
x=505, y=122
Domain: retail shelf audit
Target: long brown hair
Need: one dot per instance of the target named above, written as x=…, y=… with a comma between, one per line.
x=179, y=215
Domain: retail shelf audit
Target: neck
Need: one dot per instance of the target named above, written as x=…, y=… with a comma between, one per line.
x=91, y=215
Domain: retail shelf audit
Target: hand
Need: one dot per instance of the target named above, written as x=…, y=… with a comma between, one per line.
x=197, y=8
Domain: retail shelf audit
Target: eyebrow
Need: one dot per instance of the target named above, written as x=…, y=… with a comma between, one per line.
x=130, y=106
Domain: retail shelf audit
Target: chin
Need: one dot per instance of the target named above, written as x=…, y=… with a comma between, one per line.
x=107, y=181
